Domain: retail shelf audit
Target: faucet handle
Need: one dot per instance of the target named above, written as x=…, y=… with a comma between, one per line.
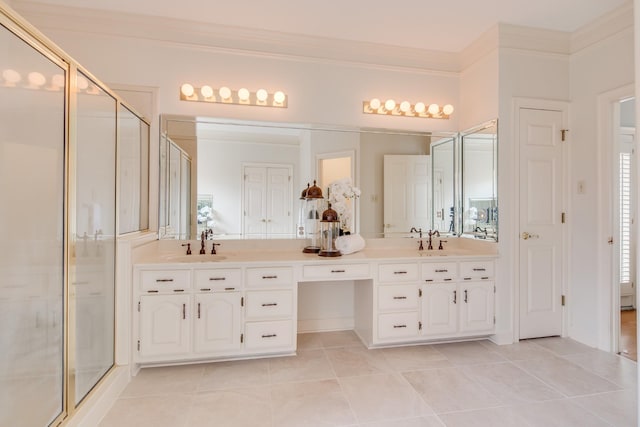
x=213, y=248
x=440, y=247
x=188, y=245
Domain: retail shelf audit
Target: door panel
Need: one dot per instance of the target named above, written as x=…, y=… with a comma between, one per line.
x=407, y=193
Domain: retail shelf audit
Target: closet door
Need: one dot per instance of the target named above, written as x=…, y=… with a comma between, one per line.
x=32, y=226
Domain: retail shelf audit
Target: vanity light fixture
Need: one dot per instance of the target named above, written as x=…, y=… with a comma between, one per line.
x=405, y=108
x=225, y=95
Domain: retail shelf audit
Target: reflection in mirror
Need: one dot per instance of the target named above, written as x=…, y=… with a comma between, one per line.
x=443, y=178
x=479, y=182
x=248, y=176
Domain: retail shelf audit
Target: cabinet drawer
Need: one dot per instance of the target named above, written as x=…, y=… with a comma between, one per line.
x=408, y=272
x=439, y=271
x=398, y=297
x=269, y=335
x=476, y=270
x=158, y=281
x=269, y=276
x=268, y=304
x=397, y=325
x=335, y=271
x=221, y=279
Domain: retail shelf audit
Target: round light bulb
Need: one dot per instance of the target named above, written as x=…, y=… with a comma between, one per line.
x=405, y=106
x=279, y=97
x=374, y=104
x=420, y=107
x=11, y=76
x=83, y=83
x=243, y=94
x=206, y=91
x=36, y=79
x=447, y=109
x=57, y=81
x=434, y=109
x=187, y=90
x=224, y=92
x=389, y=104
x=262, y=95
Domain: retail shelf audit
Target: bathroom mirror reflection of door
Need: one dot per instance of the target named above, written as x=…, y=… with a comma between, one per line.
x=334, y=166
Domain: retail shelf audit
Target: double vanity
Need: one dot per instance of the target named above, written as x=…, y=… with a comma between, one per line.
x=243, y=302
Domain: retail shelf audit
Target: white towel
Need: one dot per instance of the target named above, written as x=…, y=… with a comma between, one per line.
x=350, y=243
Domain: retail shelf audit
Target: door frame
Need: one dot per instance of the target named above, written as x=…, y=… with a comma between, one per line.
x=563, y=107
x=608, y=225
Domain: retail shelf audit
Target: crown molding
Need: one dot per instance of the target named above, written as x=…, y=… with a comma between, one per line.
x=606, y=26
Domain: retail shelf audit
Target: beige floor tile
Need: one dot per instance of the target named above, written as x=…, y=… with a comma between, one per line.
x=562, y=346
x=510, y=383
x=314, y=403
x=237, y=374
x=619, y=408
x=566, y=377
x=165, y=380
x=340, y=339
x=355, y=361
x=150, y=411
x=247, y=407
x=383, y=397
x=449, y=390
x=612, y=367
x=310, y=341
x=414, y=358
x=408, y=422
x=523, y=350
x=307, y=365
x=492, y=417
x=468, y=353
x=558, y=413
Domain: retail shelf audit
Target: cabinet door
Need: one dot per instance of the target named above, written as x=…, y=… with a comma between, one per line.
x=439, y=309
x=476, y=302
x=217, y=322
x=164, y=325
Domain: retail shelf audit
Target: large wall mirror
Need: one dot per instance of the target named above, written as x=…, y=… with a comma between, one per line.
x=246, y=178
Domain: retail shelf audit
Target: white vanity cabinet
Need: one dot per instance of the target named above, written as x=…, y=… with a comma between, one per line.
x=218, y=322
x=477, y=287
x=397, y=296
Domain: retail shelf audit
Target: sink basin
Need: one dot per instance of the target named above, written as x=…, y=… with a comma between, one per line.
x=193, y=258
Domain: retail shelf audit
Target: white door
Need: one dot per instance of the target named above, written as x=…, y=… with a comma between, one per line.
x=279, y=219
x=476, y=306
x=439, y=309
x=540, y=232
x=164, y=325
x=406, y=193
x=268, y=201
x=255, y=200
x=217, y=322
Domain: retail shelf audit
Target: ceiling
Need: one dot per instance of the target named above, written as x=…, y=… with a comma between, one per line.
x=441, y=25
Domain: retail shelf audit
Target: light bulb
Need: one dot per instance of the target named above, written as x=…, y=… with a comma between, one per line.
x=11, y=76
x=36, y=79
x=83, y=83
x=434, y=109
x=405, y=106
x=279, y=97
x=224, y=92
x=206, y=91
x=389, y=104
x=57, y=81
x=420, y=107
x=243, y=94
x=374, y=104
x=447, y=109
x=262, y=95
x=187, y=90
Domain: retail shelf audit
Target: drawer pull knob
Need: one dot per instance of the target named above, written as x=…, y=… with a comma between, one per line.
x=399, y=272
x=484, y=277
x=455, y=297
x=198, y=310
x=229, y=289
x=467, y=278
x=152, y=291
x=447, y=280
x=269, y=304
x=269, y=336
x=479, y=269
x=399, y=326
x=428, y=280
x=217, y=278
x=399, y=297
x=184, y=311
x=164, y=280
x=444, y=270
x=178, y=290
x=205, y=289
x=465, y=295
x=337, y=271
x=269, y=277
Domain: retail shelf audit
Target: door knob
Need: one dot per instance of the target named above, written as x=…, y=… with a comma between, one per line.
x=526, y=236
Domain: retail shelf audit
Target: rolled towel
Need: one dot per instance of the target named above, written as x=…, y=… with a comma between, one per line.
x=350, y=243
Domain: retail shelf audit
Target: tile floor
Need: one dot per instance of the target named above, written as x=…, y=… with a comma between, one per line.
x=335, y=381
